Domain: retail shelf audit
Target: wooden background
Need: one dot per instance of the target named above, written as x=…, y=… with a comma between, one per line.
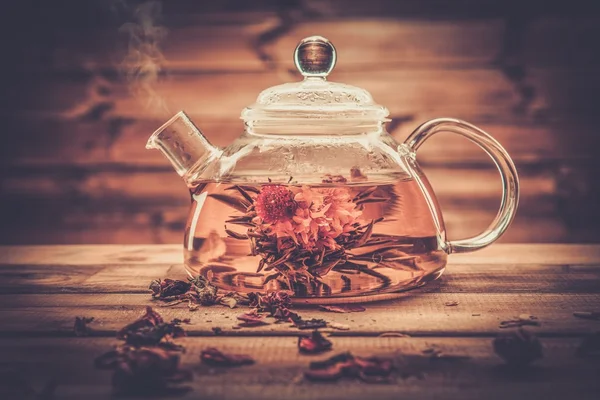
x=74, y=167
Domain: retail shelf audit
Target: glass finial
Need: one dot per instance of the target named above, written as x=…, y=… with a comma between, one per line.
x=315, y=56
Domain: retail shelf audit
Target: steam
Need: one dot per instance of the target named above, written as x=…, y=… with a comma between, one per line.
x=144, y=62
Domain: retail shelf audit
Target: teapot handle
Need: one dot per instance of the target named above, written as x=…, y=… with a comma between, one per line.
x=508, y=174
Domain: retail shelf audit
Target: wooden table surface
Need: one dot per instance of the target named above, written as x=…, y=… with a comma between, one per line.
x=43, y=288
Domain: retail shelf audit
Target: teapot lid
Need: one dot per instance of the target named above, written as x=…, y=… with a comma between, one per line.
x=314, y=101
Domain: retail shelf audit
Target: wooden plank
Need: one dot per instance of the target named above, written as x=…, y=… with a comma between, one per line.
x=366, y=43
x=416, y=314
x=86, y=206
x=112, y=140
x=493, y=256
x=467, y=94
x=127, y=277
x=470, y=94
x=455, y=185
x=279, y=367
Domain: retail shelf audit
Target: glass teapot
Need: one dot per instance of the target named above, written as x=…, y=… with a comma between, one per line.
x=316, y=198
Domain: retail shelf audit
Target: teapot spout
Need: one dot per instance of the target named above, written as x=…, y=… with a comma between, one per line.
x=183, y=144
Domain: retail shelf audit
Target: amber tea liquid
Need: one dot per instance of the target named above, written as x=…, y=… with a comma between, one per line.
x=330, y=242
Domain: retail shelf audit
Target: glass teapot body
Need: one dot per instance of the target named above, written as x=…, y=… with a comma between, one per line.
x=330, y=209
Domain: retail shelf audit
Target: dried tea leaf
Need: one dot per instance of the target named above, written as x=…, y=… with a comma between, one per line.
x=374, y=369
x=150, y=319
x=518, y=348
x=228, y=301
x=589, y=346
x=150, y=330
x=521, y=320
x=251, y=189
x=235, y=235
x=252, y=318
x=330, y=369
x=277, y=304
x=168, y=288
x=144, y=371
x=313, y=323
x=314, y=344
x=347, y=308
x=338, y=326
x=202, y=291
x=587, y=314
x=451, y=303
x=216, y=357
x=368, y=369
x=244, y=194
x=80, y=328
x=234, y=202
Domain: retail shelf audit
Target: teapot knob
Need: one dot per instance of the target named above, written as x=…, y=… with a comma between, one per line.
x=315, y=56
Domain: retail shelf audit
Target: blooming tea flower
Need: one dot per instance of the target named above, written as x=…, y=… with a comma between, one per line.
x=275, y=203
x=311, y=217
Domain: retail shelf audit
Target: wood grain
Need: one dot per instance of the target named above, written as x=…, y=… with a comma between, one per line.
x=151, y=206
x=417, y=314
x=210, y=43
x=467, y=94
x=108, y=141
x=279, y=367
x=44, y=287
x=525, y=74
x=125, y=277
x=550, y=282
x=496, y=256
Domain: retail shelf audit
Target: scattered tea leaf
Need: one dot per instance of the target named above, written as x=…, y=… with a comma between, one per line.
x=270, y=302
x=451, y=303
x=202, y=291
x=162, y=289
x=252, y=318
x=587, y=314
x=81, y=328
x=150, y=330
x=347, y=308
x=518, y=348
x=521, y=320
x=314, y=344
x=313, y=323
x=144, y=371
x=146, y=364
x=216, y=357
x=338, y=326
x=368, y=369
x=230, y=302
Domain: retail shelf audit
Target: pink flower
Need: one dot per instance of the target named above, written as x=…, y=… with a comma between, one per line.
x=312, y=217
x=275, y=203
